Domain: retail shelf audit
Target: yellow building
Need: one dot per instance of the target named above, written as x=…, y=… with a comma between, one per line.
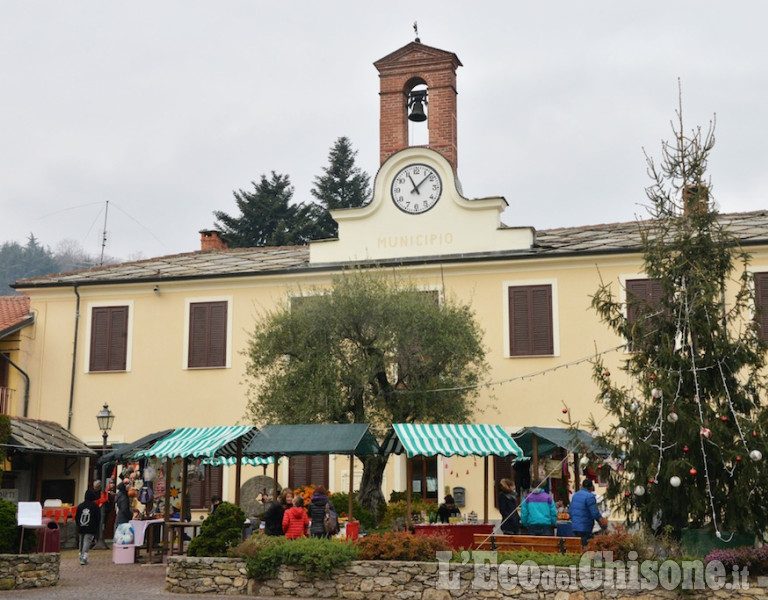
x=161, y=340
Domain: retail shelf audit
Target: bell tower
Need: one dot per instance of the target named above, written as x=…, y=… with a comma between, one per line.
x=403, y=76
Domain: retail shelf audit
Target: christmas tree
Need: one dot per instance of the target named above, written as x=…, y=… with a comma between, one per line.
x=688, y=433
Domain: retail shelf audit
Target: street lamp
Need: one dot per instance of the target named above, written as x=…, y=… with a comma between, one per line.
x=105, y=418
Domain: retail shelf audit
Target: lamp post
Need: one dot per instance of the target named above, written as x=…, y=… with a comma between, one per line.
x=104, y=418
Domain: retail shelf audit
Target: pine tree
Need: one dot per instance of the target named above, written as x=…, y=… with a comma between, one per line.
x=689, y=434
x=267, y=216
x=342, y=185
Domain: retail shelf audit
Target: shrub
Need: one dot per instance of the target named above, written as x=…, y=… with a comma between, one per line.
x=621, y=543
x=541, y=558
x=219, y=532
x=360, y=513
x=316, y=557
x=10, y=532
x=401, y=545
x=755, y=559
x=396, y=511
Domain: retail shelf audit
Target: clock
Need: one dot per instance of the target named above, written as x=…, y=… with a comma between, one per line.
x=416, y=188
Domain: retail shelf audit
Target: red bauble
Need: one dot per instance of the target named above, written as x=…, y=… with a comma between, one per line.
x=651, y=480
x=565, y=410
x=653, y=377
x=607, y=373
x=724, y=419
x=627, y=494
x=686, y=448
x=754, y=434
x=738, y=459
x=693, y=472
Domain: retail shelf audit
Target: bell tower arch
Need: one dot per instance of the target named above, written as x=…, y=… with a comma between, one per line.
x=404, y=75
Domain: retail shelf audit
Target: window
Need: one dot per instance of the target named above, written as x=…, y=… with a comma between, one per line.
x=308, y=469
x=109, y=338
x=201, y=490
x=424, y=477
x=643, y=298
x=761, y=303
x=207, y=334
x=530, y=320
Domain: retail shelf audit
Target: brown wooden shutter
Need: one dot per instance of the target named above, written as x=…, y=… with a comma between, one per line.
x=109, y=337
x=207, y=334
x=761, y=303
x=502, y=469
x=308, y=469
x=643, y=297
x=200, y=492
x=530, y=320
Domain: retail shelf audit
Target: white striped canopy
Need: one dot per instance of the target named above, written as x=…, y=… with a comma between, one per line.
x=254, y=461
x=450, y=440
x=202, y=442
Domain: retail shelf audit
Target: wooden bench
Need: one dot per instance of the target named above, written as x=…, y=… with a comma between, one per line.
x=539, y=543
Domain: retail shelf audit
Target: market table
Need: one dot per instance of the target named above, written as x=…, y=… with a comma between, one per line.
x=176, y=529
x=459, y=534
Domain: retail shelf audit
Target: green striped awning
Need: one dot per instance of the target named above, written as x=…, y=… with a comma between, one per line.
x=254, y=461
x=202, y=442
x=450, y=440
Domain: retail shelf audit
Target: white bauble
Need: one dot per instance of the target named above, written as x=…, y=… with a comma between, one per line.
x=639, y=490
x=674, y=481
x=584, y=461
x=672, y=417
x=620, y=431
x=756, y=455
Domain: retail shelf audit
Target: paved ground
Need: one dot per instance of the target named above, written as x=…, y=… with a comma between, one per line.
x=100, y=578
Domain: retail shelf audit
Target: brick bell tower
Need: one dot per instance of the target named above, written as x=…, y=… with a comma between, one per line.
x=416, y=66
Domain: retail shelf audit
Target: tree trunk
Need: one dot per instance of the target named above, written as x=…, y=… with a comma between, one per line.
x=370, y=495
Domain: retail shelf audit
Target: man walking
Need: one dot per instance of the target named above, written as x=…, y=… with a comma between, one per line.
x=584, y=512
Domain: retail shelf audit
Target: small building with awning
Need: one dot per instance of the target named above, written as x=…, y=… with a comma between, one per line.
x=43, y=461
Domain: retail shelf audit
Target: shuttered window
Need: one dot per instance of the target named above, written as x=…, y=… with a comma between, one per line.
x=530, y=320
x=643, y=299
x=200, y=491
x=761, y=303
x=109, y=338
x=308, y=469
x=207, y=334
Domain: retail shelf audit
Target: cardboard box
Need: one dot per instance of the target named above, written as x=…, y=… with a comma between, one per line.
x=124, y=554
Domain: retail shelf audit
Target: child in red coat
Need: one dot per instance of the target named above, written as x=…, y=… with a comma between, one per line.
x=295, y=520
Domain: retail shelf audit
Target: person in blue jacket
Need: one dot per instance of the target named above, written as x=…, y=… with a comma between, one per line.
x=538, y=512
x=584, y=512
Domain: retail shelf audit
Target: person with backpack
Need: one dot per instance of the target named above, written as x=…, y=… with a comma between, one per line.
x=319, y=507
x=87, y=518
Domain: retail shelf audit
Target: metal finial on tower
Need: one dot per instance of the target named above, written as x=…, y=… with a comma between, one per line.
x=416, y=30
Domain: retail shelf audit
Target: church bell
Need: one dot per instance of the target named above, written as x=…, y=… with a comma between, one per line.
x=416, y=101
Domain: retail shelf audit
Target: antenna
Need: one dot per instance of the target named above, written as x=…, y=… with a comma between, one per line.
x=104, y=234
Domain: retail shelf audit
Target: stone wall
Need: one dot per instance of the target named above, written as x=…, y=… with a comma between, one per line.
x=382, y=580
x=21, y=571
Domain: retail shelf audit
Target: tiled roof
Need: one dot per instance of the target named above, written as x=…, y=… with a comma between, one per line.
x=45, y=437
x=749, y=228
x=13, y=311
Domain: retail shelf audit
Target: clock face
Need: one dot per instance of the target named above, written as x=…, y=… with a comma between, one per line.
x=416, y=188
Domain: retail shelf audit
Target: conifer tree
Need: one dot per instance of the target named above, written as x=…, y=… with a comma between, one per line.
x=689, y=434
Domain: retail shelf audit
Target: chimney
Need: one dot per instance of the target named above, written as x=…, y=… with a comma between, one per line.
x=210, y=239
x=695, y=198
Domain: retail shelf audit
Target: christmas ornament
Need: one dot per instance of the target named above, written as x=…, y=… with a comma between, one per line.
x=693, y=472
x=651, y=480
x=620, y=431
x=705, y=433
x=674, y=481
x=606, y=399
x=656, y=393
x=639, y=490
x=627, y=494
x=754, y=433
x=738, y=459
x=584, y=461
x=672, y=417
x=565, y=410
x=756, y=455
x=724, y=419
x=634, y=406
x=686, y=448
x=607, y=373
x=652, y=377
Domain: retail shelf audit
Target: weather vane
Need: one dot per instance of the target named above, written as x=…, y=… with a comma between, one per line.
x=416, y=30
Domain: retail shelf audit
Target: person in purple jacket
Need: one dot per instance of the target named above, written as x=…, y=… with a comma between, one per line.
x=538, y=512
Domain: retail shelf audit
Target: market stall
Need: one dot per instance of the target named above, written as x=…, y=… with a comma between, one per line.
x=451, y=440
x=352, y=439
x=224, y=442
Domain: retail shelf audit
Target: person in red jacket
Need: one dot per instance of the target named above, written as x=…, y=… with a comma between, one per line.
x=295, y=520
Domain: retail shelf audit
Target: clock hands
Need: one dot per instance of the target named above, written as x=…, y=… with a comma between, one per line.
x=413, y=183
x=416, y=189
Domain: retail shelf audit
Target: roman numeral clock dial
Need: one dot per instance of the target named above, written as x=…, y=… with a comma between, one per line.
x=416, y=188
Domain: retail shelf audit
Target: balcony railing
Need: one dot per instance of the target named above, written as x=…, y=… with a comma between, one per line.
x=6, y=400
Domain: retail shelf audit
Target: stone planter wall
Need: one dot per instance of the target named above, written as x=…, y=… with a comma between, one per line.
x=21, y=571
x=381, y=580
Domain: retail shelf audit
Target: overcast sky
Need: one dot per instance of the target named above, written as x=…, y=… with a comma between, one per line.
x=163, y=108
